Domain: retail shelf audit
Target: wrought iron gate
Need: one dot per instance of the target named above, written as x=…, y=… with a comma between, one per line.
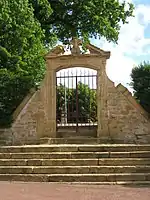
x=76, y=97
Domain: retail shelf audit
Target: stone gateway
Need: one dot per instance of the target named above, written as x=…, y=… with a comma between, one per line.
x=120, y=118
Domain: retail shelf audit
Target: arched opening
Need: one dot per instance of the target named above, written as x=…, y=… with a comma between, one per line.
x=76, y=101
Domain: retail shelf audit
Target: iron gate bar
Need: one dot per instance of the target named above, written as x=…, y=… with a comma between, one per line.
x=77, y=106
x=68, y=94
x=72, y=98
x=89, y=96
x=84, y=87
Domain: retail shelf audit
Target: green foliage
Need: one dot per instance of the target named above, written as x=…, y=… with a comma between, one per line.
x=141, y=84
x=21, y=35
x=13, y=89
x=85, y=106
x=83, y=18
x=14, y=85
x=42, y=13
x=21, y=55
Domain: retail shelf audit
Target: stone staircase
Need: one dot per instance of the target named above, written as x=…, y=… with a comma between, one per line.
x=76, y=163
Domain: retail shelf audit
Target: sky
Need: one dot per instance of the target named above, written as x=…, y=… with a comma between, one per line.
x=133, y=44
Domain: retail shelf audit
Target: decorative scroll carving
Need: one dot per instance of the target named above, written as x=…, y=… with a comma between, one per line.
x=95, y=50
x=57, y=50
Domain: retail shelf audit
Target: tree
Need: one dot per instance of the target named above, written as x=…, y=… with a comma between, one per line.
x=21, y=55
x=14, y=85
x=60, y=101
x=21, y=35
x=82, y=18
x=141, y=84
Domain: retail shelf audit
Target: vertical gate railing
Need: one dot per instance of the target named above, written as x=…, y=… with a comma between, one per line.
x=76, y=97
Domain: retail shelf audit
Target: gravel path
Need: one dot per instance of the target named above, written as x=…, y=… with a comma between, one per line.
x=48, y=191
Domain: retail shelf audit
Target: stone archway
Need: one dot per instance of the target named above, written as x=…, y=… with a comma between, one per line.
x=76, y=102
x=57, y=60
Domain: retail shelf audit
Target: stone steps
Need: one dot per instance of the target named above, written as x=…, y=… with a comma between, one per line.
x=75, y=155
x=75, y=148
x=73, y=169
x=125, y=183
x=76, y=163
x=71, y=140
x=77, y=177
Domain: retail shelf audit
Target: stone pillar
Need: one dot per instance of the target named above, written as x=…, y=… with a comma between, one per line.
x=103, y=129
x=98, y=103
x=50, y=102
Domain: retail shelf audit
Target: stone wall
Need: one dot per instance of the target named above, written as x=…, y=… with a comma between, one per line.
x=25, y=125
x=29, y=121
x=127, y=121
x=6, y=136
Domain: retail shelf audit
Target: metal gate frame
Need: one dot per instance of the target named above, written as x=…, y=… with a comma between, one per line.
x=76, y=77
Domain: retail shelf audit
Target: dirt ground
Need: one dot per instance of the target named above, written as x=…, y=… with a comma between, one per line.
x=49, y=191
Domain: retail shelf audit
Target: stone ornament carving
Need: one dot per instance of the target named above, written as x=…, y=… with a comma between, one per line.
x=58, y=50
x=95, y=50
x=76, y=46
x=75, y=49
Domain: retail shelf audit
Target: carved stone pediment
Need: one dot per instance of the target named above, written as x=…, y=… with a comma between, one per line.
x=56, y=51
x=95, y=50
x=76, y=49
